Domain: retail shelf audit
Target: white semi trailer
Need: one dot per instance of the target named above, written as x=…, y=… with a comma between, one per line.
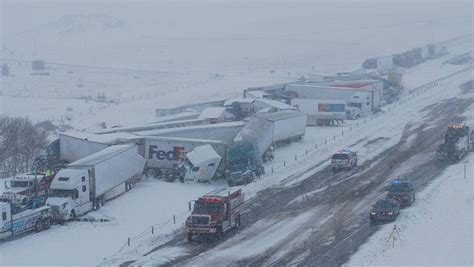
x=86, y=184
x=285, y=126
x=321, y=111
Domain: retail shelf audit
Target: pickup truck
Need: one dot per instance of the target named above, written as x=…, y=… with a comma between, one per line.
x=402, y=191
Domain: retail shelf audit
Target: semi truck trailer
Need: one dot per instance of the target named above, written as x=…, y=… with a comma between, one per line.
x=88, y=183
x=321, y=111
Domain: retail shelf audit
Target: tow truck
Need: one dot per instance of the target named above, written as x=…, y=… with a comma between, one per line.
x=457, y=142
x=343, y=159
x=215, y=213
x=16, y=220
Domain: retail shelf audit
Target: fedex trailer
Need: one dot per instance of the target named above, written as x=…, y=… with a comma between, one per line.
x=163, y=154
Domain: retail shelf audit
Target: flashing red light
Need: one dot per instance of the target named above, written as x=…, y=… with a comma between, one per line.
x=212, y=199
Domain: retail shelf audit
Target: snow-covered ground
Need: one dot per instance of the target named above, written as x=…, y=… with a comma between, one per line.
x=436, y=230
x=176, y=38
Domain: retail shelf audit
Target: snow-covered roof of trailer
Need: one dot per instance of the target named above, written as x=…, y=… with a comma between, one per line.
x=177, y=116
x=101, y=155
x=229, y=102
x=180, y=129
x=146, y=127
x=212, y=113
x=194, y=140
x=275, y=104
x=279, y=115
x=202, y=154
x=256, y=93
x=109, y=139
x=319, y=86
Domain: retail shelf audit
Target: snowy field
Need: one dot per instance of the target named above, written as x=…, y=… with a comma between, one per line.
x=172, y=60
x=168, y=60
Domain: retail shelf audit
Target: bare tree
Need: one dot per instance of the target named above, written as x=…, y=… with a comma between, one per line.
x=20, y=142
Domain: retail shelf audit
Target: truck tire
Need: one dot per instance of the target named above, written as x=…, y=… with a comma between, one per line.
x=237, y=222
x=190, y=237
x=38, y=225
x=46, y=223
x=219, y=233
x=151, y=173
x=72, y=216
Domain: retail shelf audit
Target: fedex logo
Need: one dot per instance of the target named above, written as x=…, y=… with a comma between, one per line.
x=177, y=153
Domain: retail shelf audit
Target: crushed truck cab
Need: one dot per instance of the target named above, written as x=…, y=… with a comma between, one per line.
x=215, y=213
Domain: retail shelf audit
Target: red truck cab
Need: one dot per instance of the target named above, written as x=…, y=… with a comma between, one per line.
x=215, y=213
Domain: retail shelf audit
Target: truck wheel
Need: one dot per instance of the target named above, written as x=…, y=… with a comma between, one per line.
x=72, y=216
x=237, y=222
x=190, y=237
x=151, y=173
x=46, y=223
x=24, y=201
x=219, y=233
x=38, y=225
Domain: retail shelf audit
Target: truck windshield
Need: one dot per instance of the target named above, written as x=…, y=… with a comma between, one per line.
x=340, y=156
x=383, y=204
x=18, y=183
x=370, y=64
x=206, y=207
x=64, y=193
x=399, y=188
x=355, y=105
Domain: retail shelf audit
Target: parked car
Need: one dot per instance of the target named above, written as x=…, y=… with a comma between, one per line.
x=402, y=191
x=385, y=210
x=344, y=159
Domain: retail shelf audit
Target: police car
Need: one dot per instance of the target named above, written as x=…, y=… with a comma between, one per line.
x=344, y=159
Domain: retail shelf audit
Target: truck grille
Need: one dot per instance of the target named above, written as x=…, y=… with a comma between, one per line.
x=55, y=210
x=201, y=220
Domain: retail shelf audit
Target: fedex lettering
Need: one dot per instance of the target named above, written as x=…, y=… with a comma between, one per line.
x=176, y=154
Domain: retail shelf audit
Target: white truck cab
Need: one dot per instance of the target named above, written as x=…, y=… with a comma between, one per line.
x=69, y=194
x=19, y=187
x=201, y=164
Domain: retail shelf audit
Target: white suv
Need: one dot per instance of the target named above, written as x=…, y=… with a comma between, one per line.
x=344, y=159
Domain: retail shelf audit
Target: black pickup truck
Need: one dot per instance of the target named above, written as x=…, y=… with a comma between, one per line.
x=402, y=191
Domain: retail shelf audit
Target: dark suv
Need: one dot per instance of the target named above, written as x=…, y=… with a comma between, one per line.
x=402, y=191
x=384, y=210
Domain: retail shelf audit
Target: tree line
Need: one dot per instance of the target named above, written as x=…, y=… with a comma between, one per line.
x=21, y=141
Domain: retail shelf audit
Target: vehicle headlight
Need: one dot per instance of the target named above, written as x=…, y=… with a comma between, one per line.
x=390, y=213
x=373, y=213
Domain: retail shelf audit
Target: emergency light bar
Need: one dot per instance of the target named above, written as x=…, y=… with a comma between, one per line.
x=456, y=126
